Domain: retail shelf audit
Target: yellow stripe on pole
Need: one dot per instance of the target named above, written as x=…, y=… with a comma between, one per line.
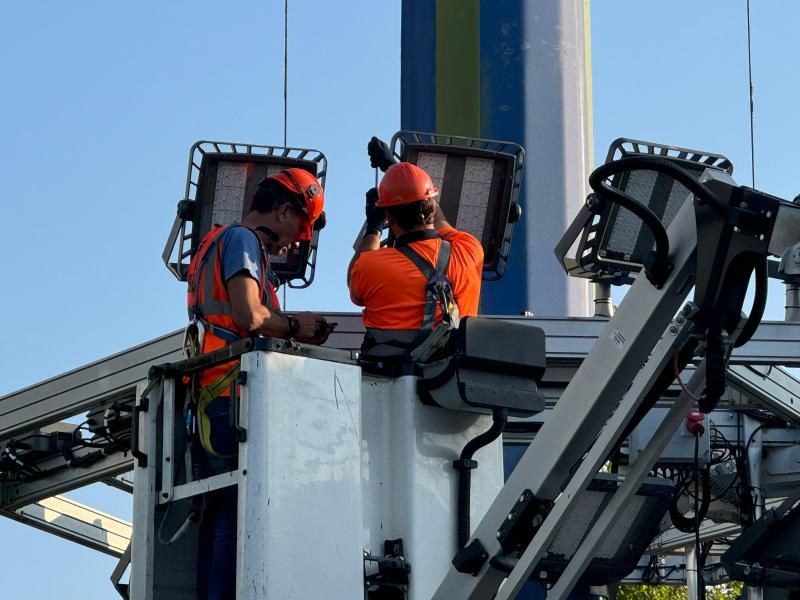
x=458, y=77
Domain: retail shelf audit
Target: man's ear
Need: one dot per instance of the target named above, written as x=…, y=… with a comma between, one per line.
x=284, y=212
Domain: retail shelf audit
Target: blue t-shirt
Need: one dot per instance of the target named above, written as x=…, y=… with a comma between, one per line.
x=241, y=252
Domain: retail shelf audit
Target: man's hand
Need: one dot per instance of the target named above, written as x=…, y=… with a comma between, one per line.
x=376, y=217
x=314, y=329
x=308, y=326
x=380, y=155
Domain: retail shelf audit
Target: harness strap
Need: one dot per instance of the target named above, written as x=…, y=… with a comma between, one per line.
x=219, y=331
x=437, y=278
x=419, y=262
x=205, y=396
x=421, y=344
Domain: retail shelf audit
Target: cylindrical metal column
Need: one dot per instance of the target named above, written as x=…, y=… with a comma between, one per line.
x=603, y=306
x=753, y=435
x=792, y=301
x=690, y=557
x=517, y=71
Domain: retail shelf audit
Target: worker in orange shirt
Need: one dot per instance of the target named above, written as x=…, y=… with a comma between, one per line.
x=404, y=288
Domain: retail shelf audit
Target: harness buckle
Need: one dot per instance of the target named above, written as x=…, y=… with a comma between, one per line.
x=193, y=335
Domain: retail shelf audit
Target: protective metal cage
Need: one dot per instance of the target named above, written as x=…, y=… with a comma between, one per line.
x=220, y=184
x=479, y=183
x=612, y=242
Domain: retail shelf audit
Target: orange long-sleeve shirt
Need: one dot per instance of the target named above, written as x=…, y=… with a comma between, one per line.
x=392, y=289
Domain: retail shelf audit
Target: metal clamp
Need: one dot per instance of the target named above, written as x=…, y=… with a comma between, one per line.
x=142, y=406
x=236, y=407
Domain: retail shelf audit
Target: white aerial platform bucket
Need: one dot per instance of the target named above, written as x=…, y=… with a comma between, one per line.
x=334, y=463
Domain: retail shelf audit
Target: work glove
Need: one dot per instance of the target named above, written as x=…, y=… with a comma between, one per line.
x=376, y=217
x=380, y=155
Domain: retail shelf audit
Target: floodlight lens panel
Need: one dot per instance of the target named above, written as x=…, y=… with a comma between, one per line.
x=677, y=196
x=475, y=190
x=434, y=165
x=274, y=170
x=626, y=237
x=617, y=537
x=576, y=523
x=476, y=184
x=229, y=192
x=627, y=226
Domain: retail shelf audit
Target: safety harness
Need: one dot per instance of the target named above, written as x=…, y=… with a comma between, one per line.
x=199, y=326
x=420, y=345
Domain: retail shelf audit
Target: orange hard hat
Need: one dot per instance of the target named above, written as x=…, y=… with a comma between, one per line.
x=404, y=183
x=310, y=195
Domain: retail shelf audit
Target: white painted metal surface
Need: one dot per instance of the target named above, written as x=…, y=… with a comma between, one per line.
x=300, y=491
x=410, y=486
x=145, y=498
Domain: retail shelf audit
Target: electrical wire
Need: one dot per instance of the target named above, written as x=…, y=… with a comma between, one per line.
x=750, y=81
x=685, y=389
x=752, y=435
x=285, y=95
x=285, y=70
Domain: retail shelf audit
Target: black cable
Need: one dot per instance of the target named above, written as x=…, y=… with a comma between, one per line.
x=81, y=441
x=759, y=304
x=733, y=451
x=464, y=466
x=752, y=435
x=681, y=522
x=661, y=165
x=648, y=217
x=657, y=265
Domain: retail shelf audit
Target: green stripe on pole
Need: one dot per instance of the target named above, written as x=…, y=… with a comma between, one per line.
x=458, y=78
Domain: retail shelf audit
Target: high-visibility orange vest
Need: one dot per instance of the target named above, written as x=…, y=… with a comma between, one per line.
x=208, y=300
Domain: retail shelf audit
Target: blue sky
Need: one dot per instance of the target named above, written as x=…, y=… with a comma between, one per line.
x=102, y=101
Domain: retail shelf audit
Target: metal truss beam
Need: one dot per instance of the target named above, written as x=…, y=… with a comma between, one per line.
x=76, y=522
x=122, y=482
x=104, y=381
x=569, y=340
x=673, y=541
x=772, y=387
x=61, y=478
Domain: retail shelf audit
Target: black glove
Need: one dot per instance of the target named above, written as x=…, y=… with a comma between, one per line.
x=380, y=155
x=376, y=217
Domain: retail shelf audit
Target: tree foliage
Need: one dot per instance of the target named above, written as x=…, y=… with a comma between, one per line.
x=726, y=591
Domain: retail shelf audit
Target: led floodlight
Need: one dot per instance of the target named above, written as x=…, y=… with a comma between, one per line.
x=220, y=185
x=617, y=555
x=613, y=242
x=479, y=184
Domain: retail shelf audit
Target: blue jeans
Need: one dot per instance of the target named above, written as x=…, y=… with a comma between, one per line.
x=216, y=555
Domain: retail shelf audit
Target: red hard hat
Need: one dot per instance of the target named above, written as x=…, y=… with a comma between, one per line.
x=404, y=183
x=309, y=192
